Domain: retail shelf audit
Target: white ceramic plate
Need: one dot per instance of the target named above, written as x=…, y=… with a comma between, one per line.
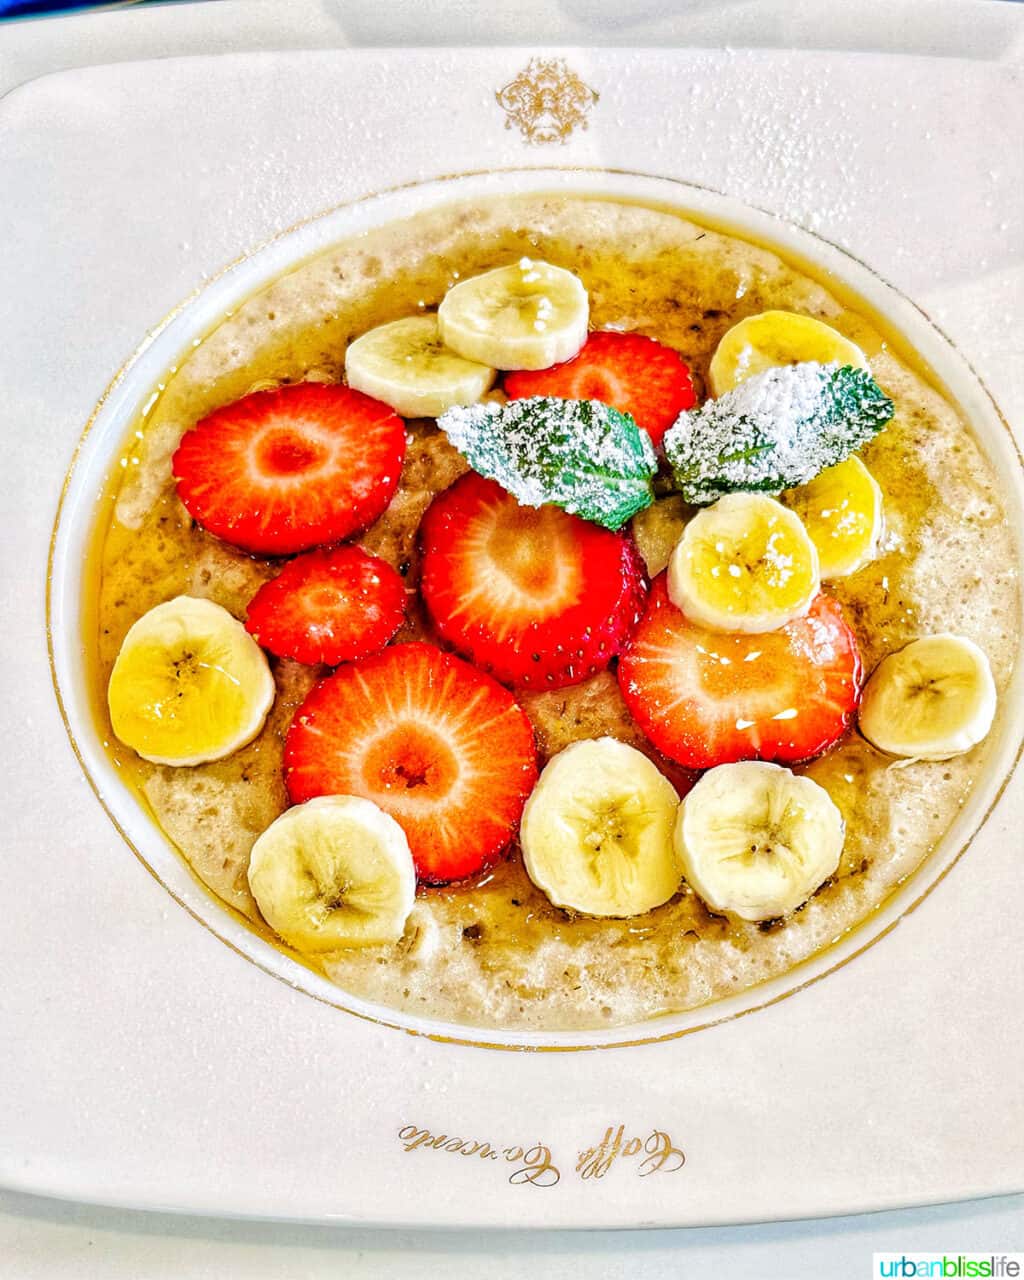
x=178, y=1052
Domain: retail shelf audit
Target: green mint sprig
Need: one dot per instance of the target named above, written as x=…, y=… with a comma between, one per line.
x=777, y=429
x=580, y=455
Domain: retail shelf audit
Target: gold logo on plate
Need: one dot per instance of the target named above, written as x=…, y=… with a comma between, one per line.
x=546, y=101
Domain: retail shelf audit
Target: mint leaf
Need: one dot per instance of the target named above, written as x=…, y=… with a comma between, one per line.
x=580, y=455
x=778, y=429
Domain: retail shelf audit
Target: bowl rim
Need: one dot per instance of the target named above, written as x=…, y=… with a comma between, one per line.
x=106, y=428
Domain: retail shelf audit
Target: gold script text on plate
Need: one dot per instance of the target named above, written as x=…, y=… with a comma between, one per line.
x=546, y=101
x=657, y=1152
x=534, y=1165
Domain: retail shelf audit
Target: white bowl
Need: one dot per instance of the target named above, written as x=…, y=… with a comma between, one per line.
x=133, y=386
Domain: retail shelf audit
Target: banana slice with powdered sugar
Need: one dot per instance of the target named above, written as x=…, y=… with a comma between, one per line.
x=746, y=563
x=529, y=315
x=842, y=511
x=775, y=338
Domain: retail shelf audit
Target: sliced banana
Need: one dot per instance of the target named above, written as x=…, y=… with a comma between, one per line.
x=657, y=529
x=755, y=839
x=422, y=939
x=842, y=511
x=597, y=831
x=334, y=872
x=930, y=701
x=406, y=365
x=525, y=316
x=746, y=563
x=189, y=684
x=777, y=337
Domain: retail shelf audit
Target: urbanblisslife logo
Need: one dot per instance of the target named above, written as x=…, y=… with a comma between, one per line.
x=950, y=1266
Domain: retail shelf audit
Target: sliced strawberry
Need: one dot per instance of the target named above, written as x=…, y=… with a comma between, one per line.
x=281, y=471
x=633, y=374
x=538, y=598
x=706, y=698
x=328, y=606
x=442, y=748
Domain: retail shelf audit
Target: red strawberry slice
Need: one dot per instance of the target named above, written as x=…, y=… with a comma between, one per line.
x=442, y=748
x=706, y=698
x=538, y=598
x=633, y=374
x=328, y=606
x=281, y=471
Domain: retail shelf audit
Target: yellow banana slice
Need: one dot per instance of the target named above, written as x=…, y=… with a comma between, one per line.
x=334, y=872
x=746, y=563
x=657, y=529
x=525, y=316
x=842, y=511
x=406, y=365
x=934, y=699
x=189, y=684
x=756, y=840
x=597, y=831
x=777, y=337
